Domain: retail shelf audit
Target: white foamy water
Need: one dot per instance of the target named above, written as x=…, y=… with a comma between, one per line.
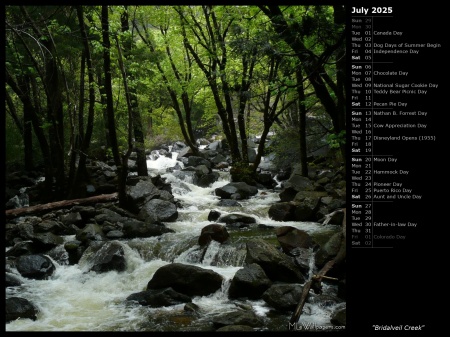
x=74, y=299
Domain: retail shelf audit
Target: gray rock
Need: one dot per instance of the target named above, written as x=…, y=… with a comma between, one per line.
x=283, y=297
x=157, y=210
x=106, y=256
x=186, y=279
x=276, y=265
x=159, y=297
x=241, y=317
x=17, y=307
x=250, y=282
x=37, y=267
x=214, y=232
x=241, y=188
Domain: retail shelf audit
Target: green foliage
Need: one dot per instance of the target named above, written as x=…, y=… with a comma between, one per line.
x=336, y=140
x=249, y=37
x=285, y=145
x=13, y=142
x=165, y=129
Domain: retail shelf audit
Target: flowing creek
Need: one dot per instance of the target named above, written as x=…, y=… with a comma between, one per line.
x=73, y=299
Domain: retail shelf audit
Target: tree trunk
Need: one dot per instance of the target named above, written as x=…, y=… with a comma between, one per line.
x=55, y=116
x=317, y=279
x=11, y=213
x=139, y=146
x=302, y=122
x=123, y=172
x=85, y=136
x=75, y=187
x=339, y=19
x=108, y=87
x=102, y=92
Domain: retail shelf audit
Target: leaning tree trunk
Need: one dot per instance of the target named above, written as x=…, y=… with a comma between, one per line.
x=315, y=281
x=43, y=208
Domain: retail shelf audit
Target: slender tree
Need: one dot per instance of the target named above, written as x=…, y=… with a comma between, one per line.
x=127, y=45
x=108, y=86
x=121, y=161
x=84, y=137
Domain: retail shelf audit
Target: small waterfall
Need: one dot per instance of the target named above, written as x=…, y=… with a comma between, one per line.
x=232, y=254
x=161, y=163
x=211, y=251
x=312, y=264
x=215, y=254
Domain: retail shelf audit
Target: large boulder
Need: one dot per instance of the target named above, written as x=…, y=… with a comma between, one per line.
x=207, y=179
x=12, y=280
x=308, y=204
x=17, y=307
x=276, y=265
x=228, y=203
x=71, y=218
x=214, y=232
x=236, y=190
x=133, y=228
x=21, y=248
x=295, y=184
x=237, y=220
x=282, y=211
x=143, y=191
x=283, y=297
x=106, y=214
x=159, y=297
x=186, y=279
x=43, y=242
x=329, y=250
x=105, y=256
x=91, y=232
x=250, y=281
x=290, y=237
x=240, y=317
x=37, y=267
x=196, y=161
x=157, y=210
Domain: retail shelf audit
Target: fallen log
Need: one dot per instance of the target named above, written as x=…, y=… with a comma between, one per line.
x=10, y=213
x=315, y=281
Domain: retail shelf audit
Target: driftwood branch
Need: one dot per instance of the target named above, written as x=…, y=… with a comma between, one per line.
x=339, y=258
x=10, y=213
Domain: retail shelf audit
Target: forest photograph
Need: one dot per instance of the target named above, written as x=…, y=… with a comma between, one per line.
x=175, y=168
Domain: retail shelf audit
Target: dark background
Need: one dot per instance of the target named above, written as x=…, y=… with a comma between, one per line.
x=401, y=285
